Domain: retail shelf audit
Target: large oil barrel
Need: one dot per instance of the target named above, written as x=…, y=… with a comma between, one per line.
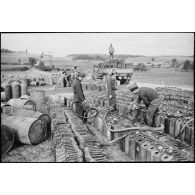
x=21, y=103
x=24, y=88
x=8, y=92
x=33, y=114
x=38, y=96
x=26, y=130
x=16, y=90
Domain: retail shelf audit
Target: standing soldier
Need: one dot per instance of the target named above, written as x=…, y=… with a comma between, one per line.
x=74, y=73
x=78, y=93
x=111, y=52
x=150, y=98
x=111, y=90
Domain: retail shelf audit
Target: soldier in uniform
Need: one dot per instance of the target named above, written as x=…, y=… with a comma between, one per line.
x=78, y=93
x=111, y=52
x=150, y=98
x=111, y=90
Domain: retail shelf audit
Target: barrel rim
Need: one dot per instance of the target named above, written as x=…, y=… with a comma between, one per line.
x=36, y=119
x=10, y=130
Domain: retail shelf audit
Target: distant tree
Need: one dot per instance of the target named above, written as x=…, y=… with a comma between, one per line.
x=41, y=63
x=153, y=59
x=19, y=61
x=187, y=65
x=174, y=62
x=6, y=51
x=42, y=54
x=32, y=61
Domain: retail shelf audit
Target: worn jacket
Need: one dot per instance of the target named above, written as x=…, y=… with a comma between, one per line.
x=111, y=86
x=147, y=95
x=78, y=91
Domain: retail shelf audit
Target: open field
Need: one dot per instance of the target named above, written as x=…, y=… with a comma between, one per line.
x=164, y=75
x=10, y=66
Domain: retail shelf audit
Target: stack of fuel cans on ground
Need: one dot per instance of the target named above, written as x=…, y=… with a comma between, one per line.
x=65, y=145
x=146, y=145
x=73, y=141
x=93, y=85
x=155, y=147
x=177, y=113
x=87, y=142
x=123, y=100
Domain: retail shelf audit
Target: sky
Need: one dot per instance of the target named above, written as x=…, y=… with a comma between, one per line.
x=63, y=44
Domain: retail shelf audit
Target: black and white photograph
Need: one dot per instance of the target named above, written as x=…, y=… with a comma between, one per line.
x=102, y=97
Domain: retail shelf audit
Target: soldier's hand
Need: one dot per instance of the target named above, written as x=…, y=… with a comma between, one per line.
x=110, y=96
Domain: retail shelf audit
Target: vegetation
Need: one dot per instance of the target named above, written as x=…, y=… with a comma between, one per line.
x=41, y=64
x=9, y=63
x=187, y=65
x=32, y=61
x=6, y=51
x=140, y=67
x=175, y=62
x=43, y=67
x=98, y=57
x=16, y=69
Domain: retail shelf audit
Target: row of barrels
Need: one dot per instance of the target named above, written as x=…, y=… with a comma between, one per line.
x=36, y=101
x=44, y=80
x=14, y=90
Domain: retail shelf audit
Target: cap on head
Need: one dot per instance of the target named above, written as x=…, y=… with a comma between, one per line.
x=133, y=87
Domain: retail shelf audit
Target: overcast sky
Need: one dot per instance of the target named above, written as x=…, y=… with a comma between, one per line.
x=62, y=44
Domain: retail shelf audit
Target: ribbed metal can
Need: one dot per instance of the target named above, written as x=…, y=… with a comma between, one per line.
x=8, y=92
x=16, y=90
x=38, y=96
x=24, y=88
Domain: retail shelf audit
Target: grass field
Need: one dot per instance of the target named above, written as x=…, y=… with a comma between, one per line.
x=10, y=66
x=166, y=76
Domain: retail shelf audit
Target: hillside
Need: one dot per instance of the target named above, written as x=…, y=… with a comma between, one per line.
x=79, y=59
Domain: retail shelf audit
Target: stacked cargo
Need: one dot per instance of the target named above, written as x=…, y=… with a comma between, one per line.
x=65, y=145
x=87, y=141
x=177, y=113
